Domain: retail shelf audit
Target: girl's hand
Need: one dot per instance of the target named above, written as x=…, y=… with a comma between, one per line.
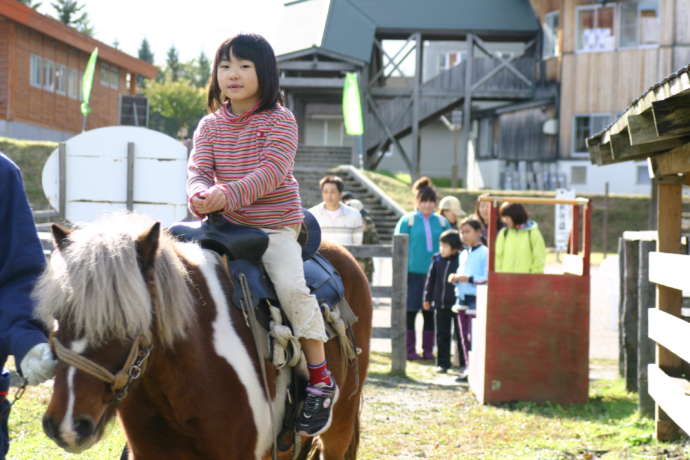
x=209, y=201
x=426, y=305
x=455, y=278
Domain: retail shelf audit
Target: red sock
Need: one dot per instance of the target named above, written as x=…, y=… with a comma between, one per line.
x=318, y=373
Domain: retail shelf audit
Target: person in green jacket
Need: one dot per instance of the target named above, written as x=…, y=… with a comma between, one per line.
x=519, y=245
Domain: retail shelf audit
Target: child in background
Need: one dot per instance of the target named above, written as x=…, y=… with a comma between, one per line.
x=473, y=269
x=439, y=294
x=519, y=245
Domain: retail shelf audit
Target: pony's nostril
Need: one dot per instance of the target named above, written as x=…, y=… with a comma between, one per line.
x=49, y=427
x=83, y=427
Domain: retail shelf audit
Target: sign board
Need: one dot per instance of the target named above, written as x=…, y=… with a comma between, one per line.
x=96, y=175
x=564, y=219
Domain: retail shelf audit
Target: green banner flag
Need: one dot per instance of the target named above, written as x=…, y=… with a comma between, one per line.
x=87, y=82
x=352, y=106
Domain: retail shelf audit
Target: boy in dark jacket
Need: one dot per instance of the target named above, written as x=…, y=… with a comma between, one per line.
x=440, y=295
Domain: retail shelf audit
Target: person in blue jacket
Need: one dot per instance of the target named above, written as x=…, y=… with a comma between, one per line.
x=21, y=263
x=424, y=228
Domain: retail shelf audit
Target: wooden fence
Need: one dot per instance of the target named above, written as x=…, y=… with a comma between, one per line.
x=397, y=292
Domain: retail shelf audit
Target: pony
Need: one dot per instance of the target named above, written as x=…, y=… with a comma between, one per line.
x=151, y=320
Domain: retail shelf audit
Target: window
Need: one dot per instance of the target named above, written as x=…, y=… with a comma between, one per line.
x=326, y=130
x=552, y=31
x=73, y=84
x=60, y=79
x=48, y=75
x=578, y=175
x=35, y=71
x=586, y=126
x=595, y=28
x=643, y=175
x=110, y=76
x=639, y=23
x=450, y=59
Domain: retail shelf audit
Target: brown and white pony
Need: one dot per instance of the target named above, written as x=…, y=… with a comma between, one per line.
x=200, y=395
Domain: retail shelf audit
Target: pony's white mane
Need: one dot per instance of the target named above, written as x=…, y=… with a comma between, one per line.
x=96, y=287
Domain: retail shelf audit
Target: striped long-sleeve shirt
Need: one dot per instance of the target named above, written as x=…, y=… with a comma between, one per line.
x=251, y=158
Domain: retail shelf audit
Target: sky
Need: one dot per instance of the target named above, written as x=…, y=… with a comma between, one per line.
x=195, y=26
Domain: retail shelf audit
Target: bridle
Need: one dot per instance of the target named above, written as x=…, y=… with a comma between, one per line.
x=133, y=368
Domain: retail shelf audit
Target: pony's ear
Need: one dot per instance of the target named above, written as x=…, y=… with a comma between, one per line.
x=147, y=245
x=61, y=236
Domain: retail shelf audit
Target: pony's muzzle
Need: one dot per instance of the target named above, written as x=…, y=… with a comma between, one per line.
x=81, y=432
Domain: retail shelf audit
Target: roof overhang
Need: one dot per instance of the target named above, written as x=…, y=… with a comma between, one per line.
x=22, y=14
x=656, y=123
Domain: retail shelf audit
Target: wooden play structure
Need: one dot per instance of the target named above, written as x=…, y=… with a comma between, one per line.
x=531, y=333
x=656, y=128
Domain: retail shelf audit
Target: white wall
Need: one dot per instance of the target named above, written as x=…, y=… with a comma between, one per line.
x=622, y=177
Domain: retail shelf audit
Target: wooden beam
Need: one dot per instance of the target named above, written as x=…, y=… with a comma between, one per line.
x=642, y=128
x=671, y=394
x=317, y=66
x=670, y=331
x=672, y=115
x=622, y=149
x=669, y=300
x=677, y=161
x=307, y=82
x=669, y=270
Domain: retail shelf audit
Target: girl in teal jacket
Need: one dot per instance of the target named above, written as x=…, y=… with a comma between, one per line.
x=424, y=228
x=519, y=245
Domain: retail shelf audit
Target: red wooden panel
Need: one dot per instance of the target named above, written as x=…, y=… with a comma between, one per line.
x=536, y=339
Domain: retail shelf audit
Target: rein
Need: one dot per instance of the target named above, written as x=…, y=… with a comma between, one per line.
x=120, y=382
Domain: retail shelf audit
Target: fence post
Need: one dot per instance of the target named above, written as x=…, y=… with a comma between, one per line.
x=621, y=290
x=130, y=176
x=62, y=181
x=630, y=307
x=398, y=304
x=645, y=298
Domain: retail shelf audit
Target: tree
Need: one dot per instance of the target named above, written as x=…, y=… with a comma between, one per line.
x=175, y=106
x=173, y=63
x=145, y=53
x=203, y=71
x=70, y=13
x=31, y=4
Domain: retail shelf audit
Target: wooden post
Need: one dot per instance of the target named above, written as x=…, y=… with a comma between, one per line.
x=467, y=108
x=130, y=176
x=62, y=181
x=630, y=307
x=416, y=108
x=605, y=229
x=621, y=295
x=669, y=300
x=645, y=353
x=399, y=305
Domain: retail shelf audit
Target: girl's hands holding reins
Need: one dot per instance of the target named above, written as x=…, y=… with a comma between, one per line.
x=209, y=201
x=455, y=278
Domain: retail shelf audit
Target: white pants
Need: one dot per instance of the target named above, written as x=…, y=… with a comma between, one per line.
x=283, y=262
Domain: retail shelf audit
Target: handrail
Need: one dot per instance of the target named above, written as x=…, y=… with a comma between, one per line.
x=533, y=200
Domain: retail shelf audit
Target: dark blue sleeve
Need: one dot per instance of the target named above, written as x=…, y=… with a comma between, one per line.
x=21, y=262
x=430, y=281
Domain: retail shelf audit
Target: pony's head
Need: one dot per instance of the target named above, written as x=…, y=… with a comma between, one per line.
x=116, y=289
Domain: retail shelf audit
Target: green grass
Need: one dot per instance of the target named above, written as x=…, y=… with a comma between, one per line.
x=426, y=415
x=30, y=156
x=626, y=212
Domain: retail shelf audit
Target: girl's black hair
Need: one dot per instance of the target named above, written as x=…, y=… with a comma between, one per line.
x=424, y=190
x=255, y=48
x=451, y=238
x=474, y=223
x=516, y=212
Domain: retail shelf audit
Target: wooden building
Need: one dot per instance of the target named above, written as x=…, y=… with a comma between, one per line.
x=602, y=54
x=41, y=66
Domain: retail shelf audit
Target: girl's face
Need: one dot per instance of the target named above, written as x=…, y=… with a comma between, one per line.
x=484, y=210
x=450, y=215
x=238, y=81
x=470, y=236
x=508, y=221
x=426, y=207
